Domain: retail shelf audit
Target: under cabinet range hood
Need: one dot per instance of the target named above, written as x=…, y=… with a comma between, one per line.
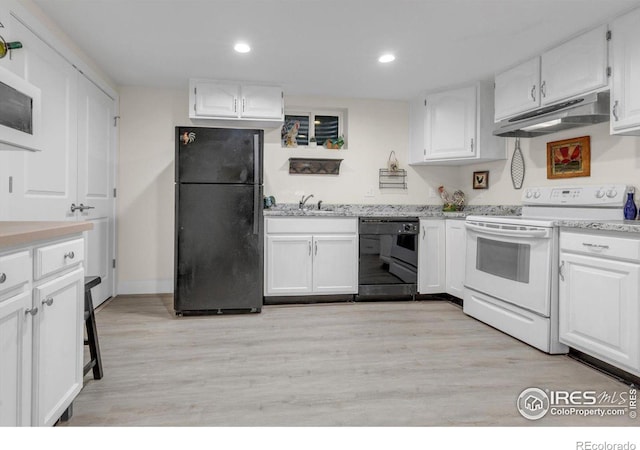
x=579, y=112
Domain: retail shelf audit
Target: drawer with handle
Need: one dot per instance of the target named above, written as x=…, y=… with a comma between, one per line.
x=604, y=245
x=15, y=270
x=55, y=257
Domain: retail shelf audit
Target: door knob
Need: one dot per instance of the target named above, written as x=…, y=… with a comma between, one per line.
x=48, y=301
x=80, y=207
x=32, y=311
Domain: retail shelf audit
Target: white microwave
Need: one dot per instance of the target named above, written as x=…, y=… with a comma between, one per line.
x=20, y=113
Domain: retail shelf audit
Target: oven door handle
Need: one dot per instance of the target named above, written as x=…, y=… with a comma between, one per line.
x=507, y=232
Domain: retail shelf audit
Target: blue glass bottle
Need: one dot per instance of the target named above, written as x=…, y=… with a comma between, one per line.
x=630, y=209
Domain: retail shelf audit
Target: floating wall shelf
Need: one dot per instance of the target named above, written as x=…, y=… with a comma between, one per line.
x=314, y=166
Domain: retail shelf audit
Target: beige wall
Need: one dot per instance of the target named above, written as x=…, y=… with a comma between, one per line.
x=146, y=172
x=614, y=159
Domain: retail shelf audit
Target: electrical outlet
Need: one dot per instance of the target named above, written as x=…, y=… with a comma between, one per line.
x=371, y=192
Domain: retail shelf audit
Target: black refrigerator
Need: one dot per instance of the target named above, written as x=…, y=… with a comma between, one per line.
x=218, y=228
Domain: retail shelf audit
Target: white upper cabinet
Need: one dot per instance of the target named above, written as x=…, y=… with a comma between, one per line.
x=574, y=68
x=214, y=99
x=234, y=101
x=454, y=127
x=625, y=84
x=518, y=89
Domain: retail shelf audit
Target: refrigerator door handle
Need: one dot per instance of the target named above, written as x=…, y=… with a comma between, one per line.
x=256, y=159
x=256, y=208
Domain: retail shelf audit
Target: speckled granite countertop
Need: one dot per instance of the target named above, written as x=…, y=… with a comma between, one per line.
x=627, y=226
x=428, y=211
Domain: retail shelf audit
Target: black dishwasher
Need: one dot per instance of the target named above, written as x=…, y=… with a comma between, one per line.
x=388, y=257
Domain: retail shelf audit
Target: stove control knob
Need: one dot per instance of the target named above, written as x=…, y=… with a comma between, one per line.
x=536, y=194
x=528, y=194
x=611, y=193
x=599, y=193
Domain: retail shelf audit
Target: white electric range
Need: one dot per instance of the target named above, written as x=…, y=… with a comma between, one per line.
x=511, y=274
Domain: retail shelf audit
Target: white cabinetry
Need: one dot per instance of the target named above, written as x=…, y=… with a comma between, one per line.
x=15, y=339
x=625, y=84
x=431, y=256
x=234, y=101
x=41, y=331
x=600, y=296
x=454, y=127
x=456, y=256
x=59, y=345
x=573, y=68
x=311, y=256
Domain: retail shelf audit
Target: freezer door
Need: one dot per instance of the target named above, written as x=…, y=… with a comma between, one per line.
x=218, y=155
x=219, y=247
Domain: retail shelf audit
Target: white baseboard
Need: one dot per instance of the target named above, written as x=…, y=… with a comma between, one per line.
x=145, y=287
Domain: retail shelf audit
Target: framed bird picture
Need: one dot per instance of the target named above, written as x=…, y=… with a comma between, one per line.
x=569, y=158
x=481, y=180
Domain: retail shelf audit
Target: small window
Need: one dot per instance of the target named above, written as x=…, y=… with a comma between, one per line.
x=313, y=128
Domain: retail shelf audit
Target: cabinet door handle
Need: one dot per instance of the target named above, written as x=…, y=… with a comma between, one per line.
x=596, y=246
x=3, y=277
x=614, y=111
x=32, y=311
x=309, y=248
x=47, y=301
x=315, y=247
x=69, y=255
x=235, y=104
x=560, y=271
x=243, y=104
x=472, y=144
x=533, y=92
x=543, y=89
x=424, y=232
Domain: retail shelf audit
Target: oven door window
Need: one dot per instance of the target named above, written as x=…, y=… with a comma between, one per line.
x=509, y=260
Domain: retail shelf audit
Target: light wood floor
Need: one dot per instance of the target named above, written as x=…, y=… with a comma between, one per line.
x=350, y=364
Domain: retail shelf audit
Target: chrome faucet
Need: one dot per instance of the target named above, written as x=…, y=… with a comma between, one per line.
x=304, y=200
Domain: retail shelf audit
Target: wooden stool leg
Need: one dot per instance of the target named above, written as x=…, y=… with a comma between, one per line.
x=92, y=337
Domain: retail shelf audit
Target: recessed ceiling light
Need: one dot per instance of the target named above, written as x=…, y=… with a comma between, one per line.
x=241, y=47
x=386, y=58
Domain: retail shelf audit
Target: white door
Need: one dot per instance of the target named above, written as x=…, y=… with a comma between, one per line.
x=517, y=89
x=575, y=67
x=96, y=168
x=625, y=86
x=456, y=257
x=450, y=124
x=262, y=102
x=289, y=264
x=43, y=184
x=599, y=308
x=15, y=370
x=216, y=99
x=431, y=257
x=60, y=349
x=335, y=264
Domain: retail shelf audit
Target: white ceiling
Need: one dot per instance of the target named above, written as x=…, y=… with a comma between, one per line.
x=327, y=47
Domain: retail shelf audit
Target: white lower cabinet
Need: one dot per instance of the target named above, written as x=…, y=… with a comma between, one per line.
x=59, y=345
x=313, y=256
x=15, y=366
x=41, y=331
x=600, y=297
x=431, y=256
x=456, y=257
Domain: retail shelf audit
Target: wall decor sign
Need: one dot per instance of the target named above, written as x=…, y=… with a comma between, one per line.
x=569, y=158
x=481, y=180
